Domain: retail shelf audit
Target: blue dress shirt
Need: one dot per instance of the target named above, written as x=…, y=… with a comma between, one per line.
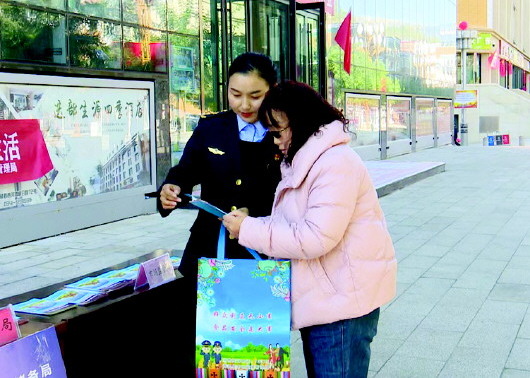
x=251, y=132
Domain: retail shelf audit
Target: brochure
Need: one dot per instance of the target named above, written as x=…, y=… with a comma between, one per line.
x=206, y=206
x=85, y=291
x=42, y=306
x=101, y=284
x=128, y=273
x=77, y=297
x=59, y=301
x=175, y=260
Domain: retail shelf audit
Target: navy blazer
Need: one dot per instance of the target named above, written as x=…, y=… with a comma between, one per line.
x=212, y=159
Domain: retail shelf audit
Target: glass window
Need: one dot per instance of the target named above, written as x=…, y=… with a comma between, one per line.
x=472, y=68
x=211, y=91
x=151, y=14
x=32, y=35
x=100, y=8
x=185, y=96
x=371, y=79
x=424, y=116
x=268, y=34
x=183, y=16
x=443, y=117
x=144, y=49
x=54, y=4
x=238, y=38
x=95, y=43
x=307, y=59
x=363, y=115
x=398, y=121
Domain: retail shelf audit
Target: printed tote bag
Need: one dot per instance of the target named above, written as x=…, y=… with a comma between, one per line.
x=243, y=317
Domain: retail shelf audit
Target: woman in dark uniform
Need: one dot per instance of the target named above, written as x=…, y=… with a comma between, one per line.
x=236, y=163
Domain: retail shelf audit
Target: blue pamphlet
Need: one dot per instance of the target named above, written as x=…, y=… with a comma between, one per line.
x=206, y=206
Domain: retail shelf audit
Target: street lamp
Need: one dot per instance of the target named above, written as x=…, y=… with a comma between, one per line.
x=464, y=39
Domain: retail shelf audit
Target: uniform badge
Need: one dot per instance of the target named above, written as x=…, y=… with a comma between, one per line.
x=215, y=151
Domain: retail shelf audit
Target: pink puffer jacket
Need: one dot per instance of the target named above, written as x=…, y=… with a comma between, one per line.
x=327, y=218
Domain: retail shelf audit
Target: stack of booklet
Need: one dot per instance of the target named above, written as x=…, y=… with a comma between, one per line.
x=84, y=292
x=59, y=301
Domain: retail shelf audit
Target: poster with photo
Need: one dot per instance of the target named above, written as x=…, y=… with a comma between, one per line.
x=98, y=139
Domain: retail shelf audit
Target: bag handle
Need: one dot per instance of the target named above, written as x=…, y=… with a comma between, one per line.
x=221, y=246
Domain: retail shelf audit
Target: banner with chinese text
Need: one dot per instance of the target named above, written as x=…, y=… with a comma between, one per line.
x=23, y=153
x=98, y=139
x=243, y=317
x=466, y=99
x=37, y=355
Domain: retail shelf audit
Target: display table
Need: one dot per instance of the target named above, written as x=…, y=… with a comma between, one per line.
x=126, y=335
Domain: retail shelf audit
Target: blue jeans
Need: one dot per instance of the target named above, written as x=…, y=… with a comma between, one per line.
x=340, y=349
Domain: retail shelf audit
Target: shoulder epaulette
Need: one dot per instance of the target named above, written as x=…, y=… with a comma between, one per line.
x=213, y=114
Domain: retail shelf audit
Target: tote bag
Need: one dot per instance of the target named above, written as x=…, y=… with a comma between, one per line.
x=243, y=317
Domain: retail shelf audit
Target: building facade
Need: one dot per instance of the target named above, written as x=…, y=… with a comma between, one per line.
x=497, y=69
x=118, y=87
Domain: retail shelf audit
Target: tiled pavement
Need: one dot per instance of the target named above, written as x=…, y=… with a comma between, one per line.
x=462, y=240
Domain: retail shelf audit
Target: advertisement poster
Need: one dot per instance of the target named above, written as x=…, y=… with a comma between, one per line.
x=243, y=317
x=37, y=355
x=466, y=99
x=98, y=140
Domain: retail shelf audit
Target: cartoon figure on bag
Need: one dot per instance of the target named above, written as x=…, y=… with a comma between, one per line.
x=272, y=357
x=206, y=352
x=216, y=354
x=280, y=357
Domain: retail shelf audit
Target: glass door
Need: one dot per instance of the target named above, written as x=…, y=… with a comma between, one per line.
x=308, y=48
x=364, y=116
x=424, y=123
x=444, y=117
x=294, y=40
x=269, y=32
x=228, y=40
x=398, y=126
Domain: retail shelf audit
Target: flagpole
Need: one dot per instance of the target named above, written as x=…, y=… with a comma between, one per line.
x=464, y=38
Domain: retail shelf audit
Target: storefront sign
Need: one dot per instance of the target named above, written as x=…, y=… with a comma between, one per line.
x=484, y=41
x=466, y=99
x=37, y=355
x=23, y=153
x=512, y=55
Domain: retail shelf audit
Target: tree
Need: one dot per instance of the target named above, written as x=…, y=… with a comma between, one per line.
x=366, y=74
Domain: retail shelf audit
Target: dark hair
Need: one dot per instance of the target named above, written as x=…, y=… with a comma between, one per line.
x=305, y=109
x=255, y=62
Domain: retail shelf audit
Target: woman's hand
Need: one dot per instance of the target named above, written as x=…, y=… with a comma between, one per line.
x=169, y=196
x=232, y=221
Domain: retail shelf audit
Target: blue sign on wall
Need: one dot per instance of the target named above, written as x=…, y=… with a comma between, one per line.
x=491, y=140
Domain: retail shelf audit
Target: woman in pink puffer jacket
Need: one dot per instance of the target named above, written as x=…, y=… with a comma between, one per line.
x=327, y=219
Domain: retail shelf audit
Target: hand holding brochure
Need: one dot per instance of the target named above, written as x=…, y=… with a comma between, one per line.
x=206, y=206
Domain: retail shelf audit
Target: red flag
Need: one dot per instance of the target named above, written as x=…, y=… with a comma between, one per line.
x=343, y=38
x=23, y=152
